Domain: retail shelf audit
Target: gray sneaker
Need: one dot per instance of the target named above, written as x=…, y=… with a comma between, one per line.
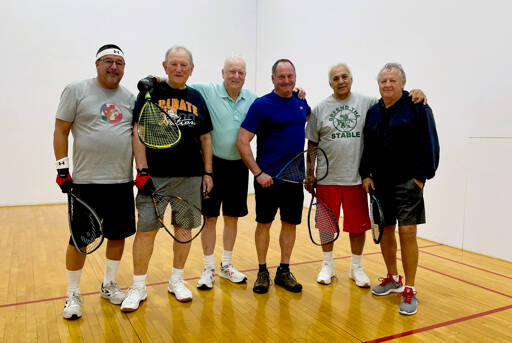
x=409, y=304
x=112, y=292
x=388, y=285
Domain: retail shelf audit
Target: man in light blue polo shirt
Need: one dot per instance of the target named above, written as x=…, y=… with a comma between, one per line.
x=228, y=104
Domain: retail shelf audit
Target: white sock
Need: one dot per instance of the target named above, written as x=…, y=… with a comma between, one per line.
x=226, y=257
x=396, y=277
x=209, y=262
x=176, y=275
x=73, y=277
x=357, y=260
x=412, y=287
x=111, y=267
x=327, y=256
x=139, y=281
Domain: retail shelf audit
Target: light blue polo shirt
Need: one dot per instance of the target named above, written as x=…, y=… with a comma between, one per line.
x=227, y=116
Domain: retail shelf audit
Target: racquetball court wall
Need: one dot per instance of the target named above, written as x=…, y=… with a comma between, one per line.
x=457, y=52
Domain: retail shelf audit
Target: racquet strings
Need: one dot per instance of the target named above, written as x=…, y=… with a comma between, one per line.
x=375, y=219
x=314, y=159
x=327, y=230
x=182, y=220
x=86, y=227
x=156, y=129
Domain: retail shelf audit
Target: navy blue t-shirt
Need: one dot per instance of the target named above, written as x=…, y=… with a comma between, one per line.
x=279, y=126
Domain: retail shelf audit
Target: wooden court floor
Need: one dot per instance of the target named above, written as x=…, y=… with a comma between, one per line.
x=463, y=297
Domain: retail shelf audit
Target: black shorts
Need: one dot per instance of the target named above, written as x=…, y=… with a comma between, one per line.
x=402, y=203
x=114, y=204
x=230, y=183
x=285, y=196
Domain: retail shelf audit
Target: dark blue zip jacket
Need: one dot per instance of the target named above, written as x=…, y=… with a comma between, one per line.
x=400, y=142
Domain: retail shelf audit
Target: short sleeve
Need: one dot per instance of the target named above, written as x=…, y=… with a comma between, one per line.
x=312, y=126
x=68, y=104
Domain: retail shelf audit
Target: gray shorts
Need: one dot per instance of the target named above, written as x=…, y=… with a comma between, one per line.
x=188, y=187
x=403, y=203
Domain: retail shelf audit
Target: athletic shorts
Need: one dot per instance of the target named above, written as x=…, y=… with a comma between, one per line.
x=114, y=205
x=189, y=188
x=285, y=196
x=402, y=203
x=230, y=183
x=355, y=205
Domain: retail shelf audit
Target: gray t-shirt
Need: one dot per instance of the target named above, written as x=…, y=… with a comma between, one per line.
x=337, y=127
x=102, y=131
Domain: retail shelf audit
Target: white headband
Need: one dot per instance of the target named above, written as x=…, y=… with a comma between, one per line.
x=111, y=51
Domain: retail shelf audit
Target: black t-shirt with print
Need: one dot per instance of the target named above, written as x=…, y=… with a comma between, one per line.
x=193, y=119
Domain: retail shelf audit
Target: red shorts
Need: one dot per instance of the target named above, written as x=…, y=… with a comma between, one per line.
x=355, y=205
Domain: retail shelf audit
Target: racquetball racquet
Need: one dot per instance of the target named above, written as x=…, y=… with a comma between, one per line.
x=295, y=170
x=187, y=218
x=376, y=216
x=85, y=225
x=322, y=224
x=156, y=129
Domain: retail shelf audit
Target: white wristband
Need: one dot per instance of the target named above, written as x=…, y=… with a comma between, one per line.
x=62, y=163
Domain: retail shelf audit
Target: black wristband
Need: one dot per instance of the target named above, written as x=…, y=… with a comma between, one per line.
x=209, y=174
x=256, y=176
x=143, y=171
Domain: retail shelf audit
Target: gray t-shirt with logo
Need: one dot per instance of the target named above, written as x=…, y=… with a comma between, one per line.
x=337, y=127
x=102, y=131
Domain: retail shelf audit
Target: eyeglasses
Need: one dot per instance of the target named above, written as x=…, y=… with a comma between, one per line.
x=110, y=62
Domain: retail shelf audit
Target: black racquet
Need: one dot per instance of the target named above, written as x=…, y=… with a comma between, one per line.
x=156, y=128
x=85, y=225
x=186, y=217
x=322, y=224
x=376, y=216
x=302, y=169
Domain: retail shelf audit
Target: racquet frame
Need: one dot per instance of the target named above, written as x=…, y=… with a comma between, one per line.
x=94, y=214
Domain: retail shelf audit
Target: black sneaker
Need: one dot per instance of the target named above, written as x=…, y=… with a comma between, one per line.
x=262, y=282
x=286, y=279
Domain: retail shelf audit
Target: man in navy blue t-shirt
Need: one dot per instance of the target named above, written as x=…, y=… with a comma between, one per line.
x=278, y=119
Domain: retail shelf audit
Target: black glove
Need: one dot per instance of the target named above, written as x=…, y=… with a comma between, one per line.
x=147, y=84
x=64, y=180
x=144, y=182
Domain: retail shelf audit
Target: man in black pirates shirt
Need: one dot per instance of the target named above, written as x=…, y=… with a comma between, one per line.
x=185, y=170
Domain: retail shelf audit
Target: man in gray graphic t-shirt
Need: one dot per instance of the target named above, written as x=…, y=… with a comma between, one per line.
x=98, y=112
x=336, y=125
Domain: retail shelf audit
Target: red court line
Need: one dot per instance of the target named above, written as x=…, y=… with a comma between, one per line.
x=468, y=265
x=439, y=325
x=196, y=278
x=465, y=281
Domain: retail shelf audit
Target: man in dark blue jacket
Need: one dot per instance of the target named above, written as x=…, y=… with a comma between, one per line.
x=401, y=151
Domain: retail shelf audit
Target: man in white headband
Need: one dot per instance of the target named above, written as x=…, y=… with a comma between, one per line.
x=98, y=111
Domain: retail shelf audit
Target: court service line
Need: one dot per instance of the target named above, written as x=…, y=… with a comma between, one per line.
x=197, y=277
x=439, y=325
x=465, y=281
x=468, y=265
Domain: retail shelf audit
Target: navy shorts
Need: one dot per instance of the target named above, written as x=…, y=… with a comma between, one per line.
x=230, y=183
x=402, y=203
x=285, y=196
x=114, y=204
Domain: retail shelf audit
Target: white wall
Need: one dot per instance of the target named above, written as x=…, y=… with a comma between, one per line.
x=48, y=44
x=457, y=52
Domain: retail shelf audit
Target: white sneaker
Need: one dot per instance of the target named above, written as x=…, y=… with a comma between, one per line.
x=359, y=276
x=112, y=292
x=73, y=306
x=232, y=274
x=135, y=296
x=326, y=273
x=206, y=280
x=179, y=290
